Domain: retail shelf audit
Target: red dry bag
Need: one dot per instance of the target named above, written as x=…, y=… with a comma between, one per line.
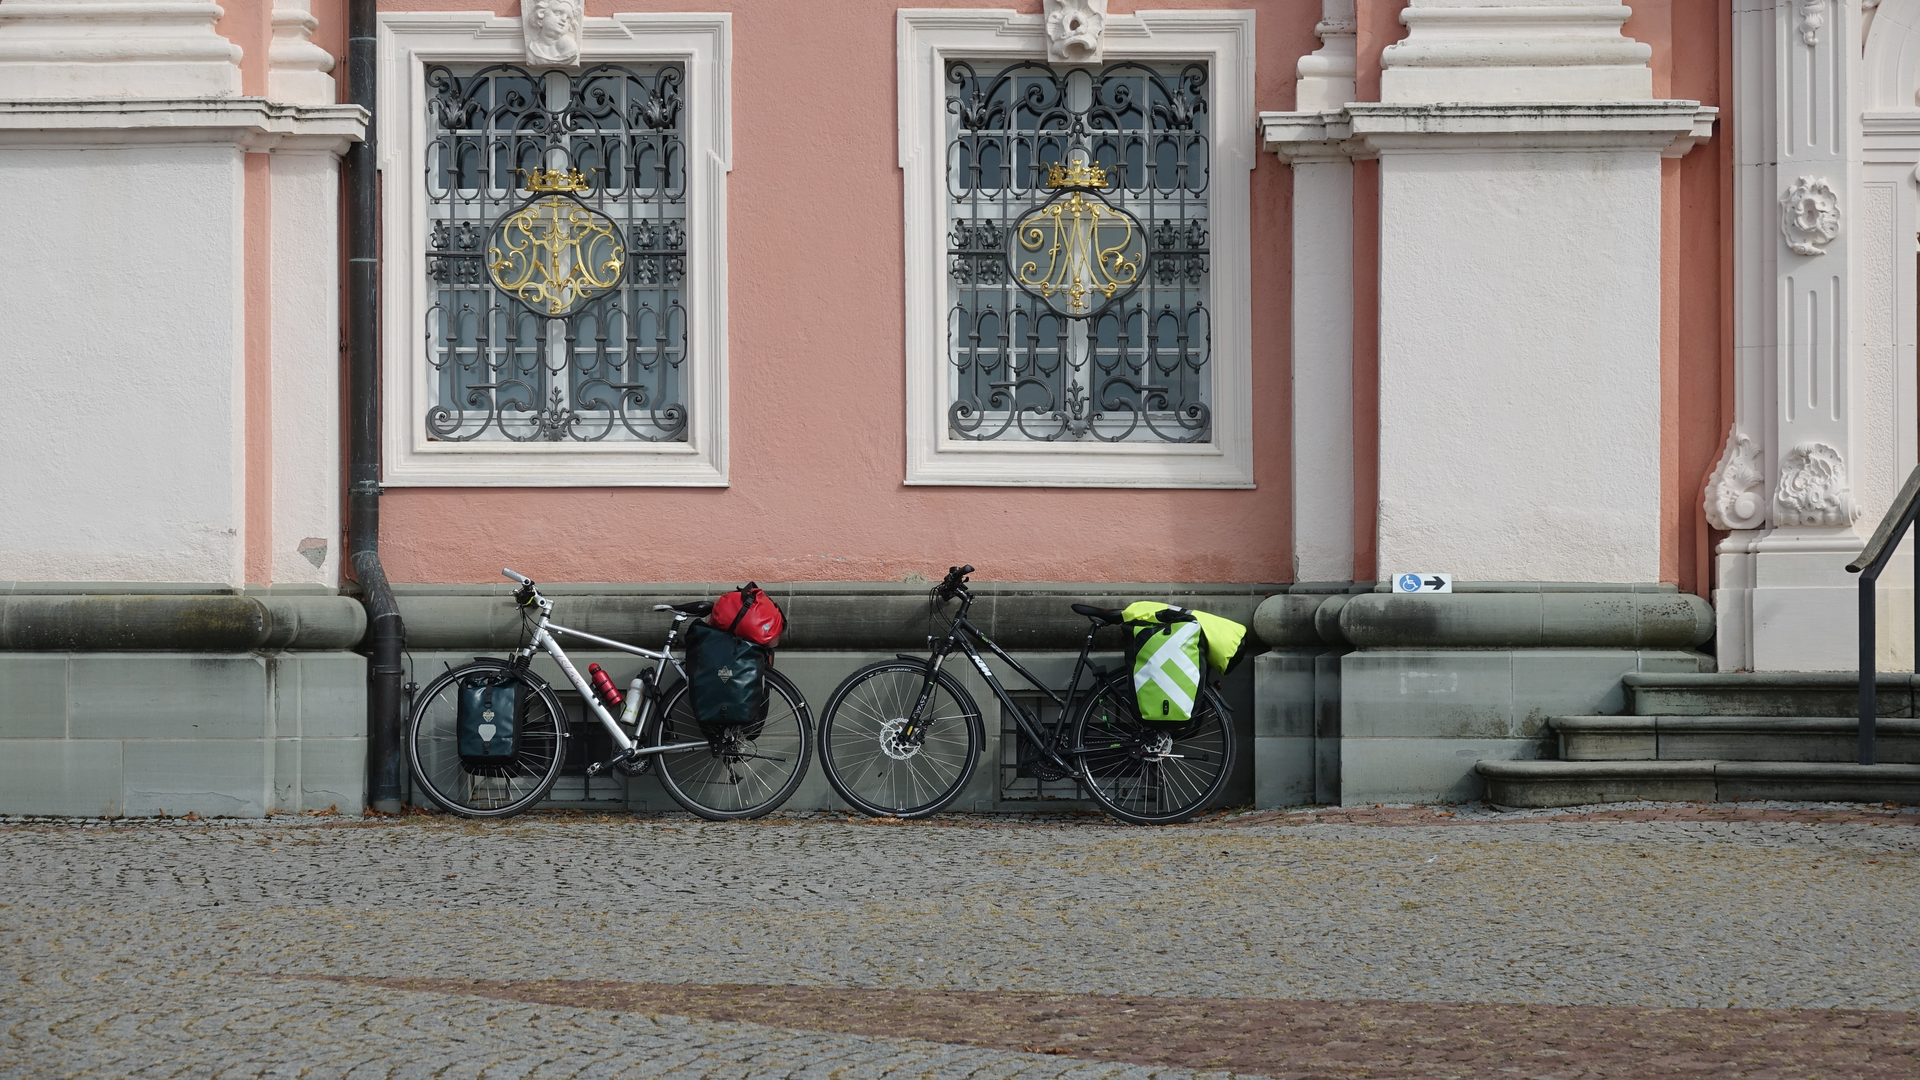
x=747, y=612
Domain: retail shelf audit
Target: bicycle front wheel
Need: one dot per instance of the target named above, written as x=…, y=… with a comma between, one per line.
x=493, y=790
x=740, y=772
x=879, y=768
x=1151, y=774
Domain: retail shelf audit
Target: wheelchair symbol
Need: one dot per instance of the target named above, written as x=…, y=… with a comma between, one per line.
x=1409, y=582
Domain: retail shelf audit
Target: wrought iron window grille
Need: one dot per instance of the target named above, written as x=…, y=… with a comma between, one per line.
x=556, y=254
x=1077, y=253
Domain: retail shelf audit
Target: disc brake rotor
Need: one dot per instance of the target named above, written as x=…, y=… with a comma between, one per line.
x=1159, y=748
x=892, y=744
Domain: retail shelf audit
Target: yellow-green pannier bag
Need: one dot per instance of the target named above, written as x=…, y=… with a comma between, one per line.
x=1166, y=646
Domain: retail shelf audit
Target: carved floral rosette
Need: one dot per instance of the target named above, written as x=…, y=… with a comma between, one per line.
x=1735, y=495
x=1076, y=30
x=1810, y=215
x=1813, y=488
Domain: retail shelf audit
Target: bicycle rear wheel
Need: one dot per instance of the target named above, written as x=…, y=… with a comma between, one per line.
x=1151, y=774
x=872, y=767
x=489, y=791
x=745, y=771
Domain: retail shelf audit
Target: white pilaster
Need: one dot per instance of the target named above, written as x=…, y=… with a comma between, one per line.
x=1527, y=51
x=1520, y=273
x=1822, y=387
x=65, y=49
x=306, y=367
x=1312, y=140
x=296, y=67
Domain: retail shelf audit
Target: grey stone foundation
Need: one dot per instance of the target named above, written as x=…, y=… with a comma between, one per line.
x=134, y=699
x=1376, y=697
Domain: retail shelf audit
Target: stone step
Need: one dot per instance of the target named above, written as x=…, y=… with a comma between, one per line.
x=1772, y=693
x=1733, y=738
x=1582, y=783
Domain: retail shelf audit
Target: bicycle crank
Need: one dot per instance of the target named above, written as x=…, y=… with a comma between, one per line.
x=625, y=762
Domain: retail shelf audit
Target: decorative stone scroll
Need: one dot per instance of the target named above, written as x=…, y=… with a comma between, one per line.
x=1812, y=16
x=1076, y=30
x=1735, y=499
x=1810, y=215
x=552, y=29
x=1813, y=488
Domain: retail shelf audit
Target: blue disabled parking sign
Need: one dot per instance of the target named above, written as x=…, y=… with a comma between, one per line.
x=1417, y=583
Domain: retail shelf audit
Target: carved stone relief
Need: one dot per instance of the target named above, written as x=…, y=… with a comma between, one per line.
x=1735, y=499
x=552, y=28
x=1813, y=488
x=1810, y=215
x=1076, y=30
x=1813, y=16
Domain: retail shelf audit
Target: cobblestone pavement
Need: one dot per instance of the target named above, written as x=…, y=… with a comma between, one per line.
x=1559, y=946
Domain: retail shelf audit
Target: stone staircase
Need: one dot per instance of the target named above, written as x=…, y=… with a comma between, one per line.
x=1726, y=737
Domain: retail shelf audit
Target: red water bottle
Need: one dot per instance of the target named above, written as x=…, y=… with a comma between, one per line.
x=603, y=685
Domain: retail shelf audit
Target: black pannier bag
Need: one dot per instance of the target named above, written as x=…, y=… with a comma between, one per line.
x=489, y=722
x=727, y=678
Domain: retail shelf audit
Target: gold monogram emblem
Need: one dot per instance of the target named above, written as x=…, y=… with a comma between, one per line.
x=1093, y=251
x=557, y=253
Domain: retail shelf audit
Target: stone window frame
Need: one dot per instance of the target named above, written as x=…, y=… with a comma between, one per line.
x=926, y=41
x=409, y=42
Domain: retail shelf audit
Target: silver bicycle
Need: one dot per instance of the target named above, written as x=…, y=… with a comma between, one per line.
x=719, y=773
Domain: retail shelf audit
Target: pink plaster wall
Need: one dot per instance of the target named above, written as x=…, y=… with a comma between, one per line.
x=818, y=387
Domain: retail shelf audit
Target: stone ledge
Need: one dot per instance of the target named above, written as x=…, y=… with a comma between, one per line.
x=1731, y=738
x=1581, y=783
x=249, y=123
x=1785, y=693
x=120, y=622
x=820, y=615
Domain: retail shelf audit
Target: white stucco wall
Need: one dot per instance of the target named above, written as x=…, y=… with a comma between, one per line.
x=1323, y=370
x=120, y=364
x=306, y=367
x=1520, y=365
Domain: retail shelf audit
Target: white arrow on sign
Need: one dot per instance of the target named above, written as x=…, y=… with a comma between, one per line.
x=1413, y=583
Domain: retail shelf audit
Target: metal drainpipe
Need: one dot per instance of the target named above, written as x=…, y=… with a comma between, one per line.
x=385, y=631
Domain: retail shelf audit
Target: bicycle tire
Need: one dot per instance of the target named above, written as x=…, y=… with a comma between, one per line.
x=713, y=781
x=883, y=779
x=434, y=753
x=1146, y=773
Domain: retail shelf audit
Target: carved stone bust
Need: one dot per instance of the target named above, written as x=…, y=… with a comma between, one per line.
x=1076, y=30
x=552, y=28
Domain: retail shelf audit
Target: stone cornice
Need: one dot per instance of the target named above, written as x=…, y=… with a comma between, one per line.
x=1364, y=128
x=254, y=124
x=1667, y=126
x=1308, y=136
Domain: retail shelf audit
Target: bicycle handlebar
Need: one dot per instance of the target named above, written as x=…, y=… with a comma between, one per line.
x=954, y=583
x=521, y=578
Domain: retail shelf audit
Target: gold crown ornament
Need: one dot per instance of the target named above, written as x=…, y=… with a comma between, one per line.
x=1077, y=174
x=546, y=180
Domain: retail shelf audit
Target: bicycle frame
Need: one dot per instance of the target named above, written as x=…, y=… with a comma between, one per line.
x=962, y=633
x=648, y=688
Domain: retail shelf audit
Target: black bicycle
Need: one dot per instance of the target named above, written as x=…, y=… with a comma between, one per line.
x=901, y=738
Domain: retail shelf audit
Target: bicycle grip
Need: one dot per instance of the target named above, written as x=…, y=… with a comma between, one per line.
x=521, y=578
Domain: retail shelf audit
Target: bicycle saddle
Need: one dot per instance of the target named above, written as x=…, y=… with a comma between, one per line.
x=1103, y=616
x=695, y=608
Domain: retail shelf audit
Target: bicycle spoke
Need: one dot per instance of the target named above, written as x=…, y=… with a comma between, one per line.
x=884, y=765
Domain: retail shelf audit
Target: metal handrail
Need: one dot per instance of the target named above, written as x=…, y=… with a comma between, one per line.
x=1873, y=559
